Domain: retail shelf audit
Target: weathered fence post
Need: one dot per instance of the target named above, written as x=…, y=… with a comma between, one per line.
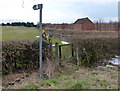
x=77, y=55
x=60, y=53
x=72, y=50
x=57, y=55
x=51, y=51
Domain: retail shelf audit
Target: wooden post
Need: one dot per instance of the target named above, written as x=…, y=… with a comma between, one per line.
x=57, y=55
x=72, y=50
x=51, y=51
x=77, y=55
x=60, y=53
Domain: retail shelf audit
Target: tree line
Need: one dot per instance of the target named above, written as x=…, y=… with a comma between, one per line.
x=28, y=24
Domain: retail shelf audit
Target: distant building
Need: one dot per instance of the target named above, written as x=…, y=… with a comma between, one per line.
x=80, y=24
x=84, y=24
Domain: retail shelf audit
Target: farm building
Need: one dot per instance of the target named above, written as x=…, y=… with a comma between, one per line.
x=84, y=24
x=79, y=24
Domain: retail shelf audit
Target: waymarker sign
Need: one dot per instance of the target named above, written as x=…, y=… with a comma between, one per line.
x=36, y=7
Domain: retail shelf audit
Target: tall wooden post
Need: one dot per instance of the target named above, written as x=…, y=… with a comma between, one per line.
x=72, y=50
x=57, y=55
x=51, y=50
x=77, y=55
x=60, y=53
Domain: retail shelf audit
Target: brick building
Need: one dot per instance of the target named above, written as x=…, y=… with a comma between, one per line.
x=84, y=24
x=80, y=24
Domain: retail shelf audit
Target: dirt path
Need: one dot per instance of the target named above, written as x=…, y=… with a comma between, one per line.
x=16, y=80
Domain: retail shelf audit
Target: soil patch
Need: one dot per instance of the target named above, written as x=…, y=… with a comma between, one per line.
x=70, y=75
x=16, y=80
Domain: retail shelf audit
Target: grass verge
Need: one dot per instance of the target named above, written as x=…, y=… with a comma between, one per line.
x=30, y=86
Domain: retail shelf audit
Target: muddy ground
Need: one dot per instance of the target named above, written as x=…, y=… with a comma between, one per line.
x=93, y=78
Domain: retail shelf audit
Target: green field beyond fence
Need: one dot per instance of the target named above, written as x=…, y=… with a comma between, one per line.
x=10, y=33
x=19, y=33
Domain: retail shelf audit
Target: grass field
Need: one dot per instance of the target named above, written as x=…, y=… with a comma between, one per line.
x=25, y=33
x=19, y=33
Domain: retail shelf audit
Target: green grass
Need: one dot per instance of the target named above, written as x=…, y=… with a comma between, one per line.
x=64, y=78
x=80, y=85
x=51, y=82
x=54, y=40
x=19, y=33
x=58, y=74
x=65, y=50
x=61, y=82
x=30, y=86
x=104, y=83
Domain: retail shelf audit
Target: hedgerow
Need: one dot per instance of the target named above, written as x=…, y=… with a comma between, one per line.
x=92, y=51
x=21, y=55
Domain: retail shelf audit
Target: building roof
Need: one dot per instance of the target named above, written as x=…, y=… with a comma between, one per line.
x=81, y=21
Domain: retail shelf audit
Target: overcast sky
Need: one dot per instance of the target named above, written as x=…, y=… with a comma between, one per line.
x=58, y=11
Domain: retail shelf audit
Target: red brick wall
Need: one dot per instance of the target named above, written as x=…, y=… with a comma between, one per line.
x=87, y=25
x=77, y=27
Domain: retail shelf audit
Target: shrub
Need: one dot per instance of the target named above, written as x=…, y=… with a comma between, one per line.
x=17, y=55
x=92, y=51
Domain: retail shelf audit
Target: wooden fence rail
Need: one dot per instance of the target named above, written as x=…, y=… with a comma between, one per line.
x=58, y=53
